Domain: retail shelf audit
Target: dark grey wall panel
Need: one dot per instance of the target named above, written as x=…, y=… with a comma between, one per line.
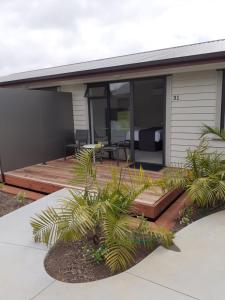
x=34, y=126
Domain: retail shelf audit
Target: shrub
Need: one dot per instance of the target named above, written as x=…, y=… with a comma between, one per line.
x=202, y=176
x=96, y=254
x=186, y=215
x=101, y=212
x=20, y=198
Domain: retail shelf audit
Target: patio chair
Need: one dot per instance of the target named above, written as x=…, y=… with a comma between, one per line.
x=124, y=145
x=112, y=150
x=81, y=138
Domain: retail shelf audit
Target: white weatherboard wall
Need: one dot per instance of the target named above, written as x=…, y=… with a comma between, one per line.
x=196, y=100
x=80, y=105
x=193, y=99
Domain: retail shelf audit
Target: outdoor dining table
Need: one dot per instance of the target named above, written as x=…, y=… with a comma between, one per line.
x=93, y=147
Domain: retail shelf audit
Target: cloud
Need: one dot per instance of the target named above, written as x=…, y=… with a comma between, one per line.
x=39, y=33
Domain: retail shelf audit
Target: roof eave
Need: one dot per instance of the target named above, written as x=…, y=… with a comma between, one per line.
x=203, y=58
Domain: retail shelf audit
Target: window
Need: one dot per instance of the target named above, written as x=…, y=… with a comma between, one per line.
x=95, y=91
x=48, y=88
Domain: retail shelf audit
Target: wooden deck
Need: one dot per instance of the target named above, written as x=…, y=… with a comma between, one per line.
x=59, y=173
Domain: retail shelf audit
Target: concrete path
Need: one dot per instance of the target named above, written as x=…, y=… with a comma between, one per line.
x=194, y=270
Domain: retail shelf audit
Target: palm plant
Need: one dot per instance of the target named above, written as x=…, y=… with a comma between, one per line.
x=101, y=212
x=202, y=176
x=219, y=133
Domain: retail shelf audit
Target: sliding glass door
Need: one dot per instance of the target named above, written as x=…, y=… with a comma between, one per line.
x=109, y=113
x=149, y=109
x=130, y=111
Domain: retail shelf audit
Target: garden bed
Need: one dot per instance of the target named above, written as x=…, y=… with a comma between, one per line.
x=70, y=262
x=9, y=203
x=197, y=213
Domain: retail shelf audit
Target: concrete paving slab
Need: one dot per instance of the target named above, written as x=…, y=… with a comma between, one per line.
x=15, y=227
x=119, y=287
x=22, y=273
x=199, y=268
x=197, y=271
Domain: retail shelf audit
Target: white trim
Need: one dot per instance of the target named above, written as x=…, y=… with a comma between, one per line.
x=219, y=98
x=168, y=120
x=125, y=75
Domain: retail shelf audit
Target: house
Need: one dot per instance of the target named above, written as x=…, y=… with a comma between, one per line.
x=158, y=100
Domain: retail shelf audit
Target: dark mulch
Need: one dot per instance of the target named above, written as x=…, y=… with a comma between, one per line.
x=9, y=203
x=199, y=213
x=68, y=262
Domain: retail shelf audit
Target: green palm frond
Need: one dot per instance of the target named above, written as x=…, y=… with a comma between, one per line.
x=46, y=226
x=84, y=170
x=201, y=192
x=119, y=256
x=152, y=235
x=202, y=176
x=219, y=189
x=71, y=221
x=118, y=238
x=77, y=213
x=215, y=131
x=174, y=178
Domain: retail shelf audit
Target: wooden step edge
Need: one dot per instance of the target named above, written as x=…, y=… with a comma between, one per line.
x=27, y=194
x=169, y=217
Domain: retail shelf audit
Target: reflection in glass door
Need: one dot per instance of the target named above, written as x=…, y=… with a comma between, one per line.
x=149, y=109
x=109, y=109
x=119, y=111
x=98, y=113
x=99, y=121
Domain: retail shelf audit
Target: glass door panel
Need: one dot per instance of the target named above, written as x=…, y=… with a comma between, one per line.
x=99, y=120
x=149, y=108
x=119, y=111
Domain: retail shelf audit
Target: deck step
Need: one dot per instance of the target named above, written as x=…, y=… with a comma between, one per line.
x=169, y=217
x=28, y=194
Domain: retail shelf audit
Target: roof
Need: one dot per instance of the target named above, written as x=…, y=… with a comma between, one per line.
x=212, y=49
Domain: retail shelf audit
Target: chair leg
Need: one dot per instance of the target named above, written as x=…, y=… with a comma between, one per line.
x=65, y=152
x=117, y=156
x=75, y=152
x=125, y=152
x=101, y=156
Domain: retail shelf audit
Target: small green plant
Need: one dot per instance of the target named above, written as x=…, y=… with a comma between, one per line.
x=186, y=215
x=20, y=198
x=97, y=254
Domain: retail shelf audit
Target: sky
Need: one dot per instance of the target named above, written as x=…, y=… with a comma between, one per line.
x=37, y=34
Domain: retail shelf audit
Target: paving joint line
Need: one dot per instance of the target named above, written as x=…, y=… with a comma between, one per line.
x=159, y=284
x=21, y=245
x=42, y=290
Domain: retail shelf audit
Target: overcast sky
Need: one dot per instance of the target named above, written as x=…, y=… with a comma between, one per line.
x=42, y=33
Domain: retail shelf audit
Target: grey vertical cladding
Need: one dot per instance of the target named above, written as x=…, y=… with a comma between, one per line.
x=34, y=126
